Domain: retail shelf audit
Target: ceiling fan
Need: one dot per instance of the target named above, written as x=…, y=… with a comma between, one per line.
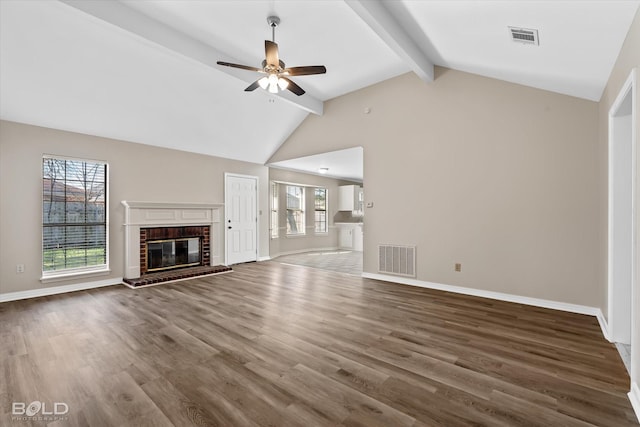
x=277, y=75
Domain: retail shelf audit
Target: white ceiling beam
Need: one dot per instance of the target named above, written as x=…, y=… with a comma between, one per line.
x=132, y=21
x=376, y=15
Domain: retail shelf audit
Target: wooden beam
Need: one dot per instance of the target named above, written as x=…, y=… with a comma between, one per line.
x=386, y=26
x=132, y=21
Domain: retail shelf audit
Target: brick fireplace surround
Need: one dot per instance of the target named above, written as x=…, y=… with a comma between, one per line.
x=166, y=220
x=160, y=233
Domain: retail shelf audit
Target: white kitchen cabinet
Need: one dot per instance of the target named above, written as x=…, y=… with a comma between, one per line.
x=350, y=236
x=358, y=240
x=346, y=237
x=350, y=198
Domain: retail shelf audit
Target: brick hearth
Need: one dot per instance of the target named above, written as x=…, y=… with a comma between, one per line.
x=179, y=274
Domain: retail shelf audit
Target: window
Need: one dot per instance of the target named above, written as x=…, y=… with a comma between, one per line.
x=74, y=216
x=295, y=210
x=274, y=210
x=321, y=210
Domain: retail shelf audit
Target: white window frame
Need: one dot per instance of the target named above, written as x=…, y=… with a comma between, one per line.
x=300, y=226
x=62, y=274
x=325, y=210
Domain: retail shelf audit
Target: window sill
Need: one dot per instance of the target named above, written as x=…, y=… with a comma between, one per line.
x=295, y=236
x=324, y=233
x=70, y=275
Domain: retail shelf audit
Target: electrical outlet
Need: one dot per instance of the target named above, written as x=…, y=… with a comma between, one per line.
x=20, y=268
x=458, y=267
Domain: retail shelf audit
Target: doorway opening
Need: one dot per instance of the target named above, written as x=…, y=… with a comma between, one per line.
x=335, y=211
x=622, y=265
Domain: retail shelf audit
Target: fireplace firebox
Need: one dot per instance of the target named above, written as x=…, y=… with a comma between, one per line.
x=173, y=253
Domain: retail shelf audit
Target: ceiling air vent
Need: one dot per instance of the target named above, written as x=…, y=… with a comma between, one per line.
x=524, y=35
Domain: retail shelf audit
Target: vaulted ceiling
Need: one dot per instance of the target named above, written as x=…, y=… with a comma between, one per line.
x=145, y=71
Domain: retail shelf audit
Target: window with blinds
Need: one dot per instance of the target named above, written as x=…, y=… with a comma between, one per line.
x=295, y=210
x=320, y=210
x=74, y=216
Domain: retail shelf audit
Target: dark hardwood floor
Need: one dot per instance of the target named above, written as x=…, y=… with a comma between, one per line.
x=280, y=345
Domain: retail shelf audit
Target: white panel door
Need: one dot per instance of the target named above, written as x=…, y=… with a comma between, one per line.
x=241, y=218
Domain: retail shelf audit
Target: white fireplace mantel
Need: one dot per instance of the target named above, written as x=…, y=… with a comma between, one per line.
x=161, y=214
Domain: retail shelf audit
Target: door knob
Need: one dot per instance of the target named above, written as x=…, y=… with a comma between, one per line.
x=229, y=227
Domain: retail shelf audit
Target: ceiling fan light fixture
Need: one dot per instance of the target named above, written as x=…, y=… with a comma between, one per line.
x=282, y=83
x=264, y=83
x=273, y=83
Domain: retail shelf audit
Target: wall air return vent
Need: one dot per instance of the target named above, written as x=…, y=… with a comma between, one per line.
x=524, y=35
x=398, y=260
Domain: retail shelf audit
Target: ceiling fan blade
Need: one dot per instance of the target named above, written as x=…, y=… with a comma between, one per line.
x=271, y=53
x=252, y=86
x=242, y=67
x=306, y=71
x=293, y=87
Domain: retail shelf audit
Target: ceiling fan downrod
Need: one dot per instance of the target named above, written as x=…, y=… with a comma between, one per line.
x=273, y=21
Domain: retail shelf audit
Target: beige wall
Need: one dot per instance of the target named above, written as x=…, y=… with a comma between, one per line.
x=137, y=172
x=628, y=59
x=493, y=175
x=311, y=241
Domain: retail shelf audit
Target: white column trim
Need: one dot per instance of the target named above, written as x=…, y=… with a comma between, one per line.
x=634, y=398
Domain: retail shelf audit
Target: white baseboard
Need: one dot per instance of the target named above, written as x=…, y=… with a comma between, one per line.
x=264, y=258
x=41, y=292
x=301, y=251
x=634, y=397
x=604, y=325
x=537, y=302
